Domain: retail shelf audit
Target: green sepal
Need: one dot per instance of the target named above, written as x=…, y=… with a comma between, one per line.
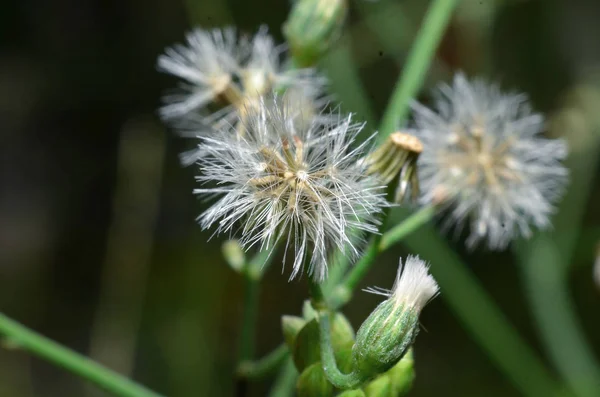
x=312, y=382
x=380, y=387
x=291, y=326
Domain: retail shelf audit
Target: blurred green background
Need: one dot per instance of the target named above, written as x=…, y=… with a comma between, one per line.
x=99, y=249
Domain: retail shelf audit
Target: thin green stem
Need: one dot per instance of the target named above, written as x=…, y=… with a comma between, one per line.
x=545, y=260
x=73, y=362
x=342, y=293
x=334, y=375
x=481, y=317
x=286, y=380
x=264, y=366
x=406, y=227
x=417, y=65
x=249, y=319
x=317, y=298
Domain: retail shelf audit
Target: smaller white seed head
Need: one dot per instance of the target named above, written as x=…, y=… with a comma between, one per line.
x=484, y=150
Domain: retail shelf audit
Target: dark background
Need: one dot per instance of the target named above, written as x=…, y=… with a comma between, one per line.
x=94, y=203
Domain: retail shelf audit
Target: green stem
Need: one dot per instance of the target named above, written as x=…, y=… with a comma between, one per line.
x=545, y=259
x=343, y=292
x=249, y=319
x=481, y=317
x=317, y=298
x=334, y=375
x=264, y=366
x=554, y=311
x=286, y=380
x=417, y=65
x=73, y=362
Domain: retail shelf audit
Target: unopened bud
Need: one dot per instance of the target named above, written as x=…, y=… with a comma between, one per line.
x=397, y=158
x=234, y=255
x=387, y=334
x=312, y=27
x=402, y=375
x=313, y=382
x=291, y=326
x=380, y=387
x=353, y=393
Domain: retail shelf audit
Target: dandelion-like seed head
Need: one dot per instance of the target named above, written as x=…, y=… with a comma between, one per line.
x=289, y=181
x=485, y=161
x=221, y=66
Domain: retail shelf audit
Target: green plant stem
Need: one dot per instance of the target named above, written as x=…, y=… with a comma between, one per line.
x=333, y=373
x=249, y=319
x=317, y=298
x=481, y=317
x=342, y=293
x=73, y=362
x=264, y=366
x=286, y=380
x=545, y=259
x=410, y=224
x=417, y=65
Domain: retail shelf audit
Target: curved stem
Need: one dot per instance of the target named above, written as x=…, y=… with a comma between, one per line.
x=73, y=362
x=264, y=366
x=334, y=375
x=417, y=64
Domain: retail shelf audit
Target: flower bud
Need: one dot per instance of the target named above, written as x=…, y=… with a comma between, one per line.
x=390, y=330
x=291, y=326
x=402, y=374
x=397, y=158
x=380, y=387
x=353, y=393
x=234, y=255
x=307, y=348
x=313, y=25
x=313, y=382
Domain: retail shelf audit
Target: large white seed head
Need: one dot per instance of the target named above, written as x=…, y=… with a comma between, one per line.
x=291, y=181
x=485, y=161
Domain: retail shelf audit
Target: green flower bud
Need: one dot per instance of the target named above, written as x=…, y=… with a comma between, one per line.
x=307, y=348
x=313, y=382
x=312, y=27
x=380, y=387
x=291, y=326
x=234, y=255
x=352, y=393
x=390, y=330
x=308, y=312
x=402, y=375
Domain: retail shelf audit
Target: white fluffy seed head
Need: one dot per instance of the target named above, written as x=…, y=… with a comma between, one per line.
x=221, y=62
x=293, y=182
x=483, y=154
x=414, y=286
